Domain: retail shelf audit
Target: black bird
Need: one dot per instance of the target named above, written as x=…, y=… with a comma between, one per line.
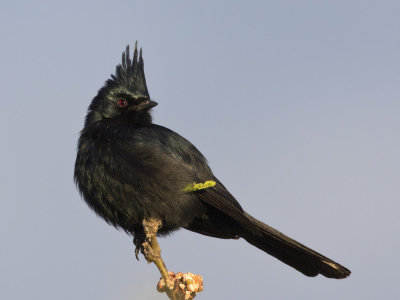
x=128, y=169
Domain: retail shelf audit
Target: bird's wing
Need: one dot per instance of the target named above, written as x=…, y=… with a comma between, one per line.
x=182, y=157
x=172, y=152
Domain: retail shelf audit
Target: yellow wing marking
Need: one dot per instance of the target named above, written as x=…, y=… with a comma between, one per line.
x=199, y=186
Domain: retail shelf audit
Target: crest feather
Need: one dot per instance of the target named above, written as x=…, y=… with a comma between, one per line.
x=130, y=73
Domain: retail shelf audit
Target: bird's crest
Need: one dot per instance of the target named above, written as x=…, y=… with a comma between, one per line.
x=130, y=73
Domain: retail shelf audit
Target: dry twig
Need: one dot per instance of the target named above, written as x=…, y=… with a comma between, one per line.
x=179, y=286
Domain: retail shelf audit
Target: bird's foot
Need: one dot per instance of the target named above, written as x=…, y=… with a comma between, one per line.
x=138, y=240
x=150, y=249
x=148, y=243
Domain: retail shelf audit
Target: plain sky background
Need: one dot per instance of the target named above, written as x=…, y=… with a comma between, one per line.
x=294, y=103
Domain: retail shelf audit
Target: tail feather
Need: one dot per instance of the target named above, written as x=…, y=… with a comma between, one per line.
x=291, y=252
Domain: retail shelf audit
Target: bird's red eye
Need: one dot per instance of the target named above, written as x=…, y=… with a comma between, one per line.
x=122, y=102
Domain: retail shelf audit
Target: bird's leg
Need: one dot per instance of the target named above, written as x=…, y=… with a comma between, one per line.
x=151, y=250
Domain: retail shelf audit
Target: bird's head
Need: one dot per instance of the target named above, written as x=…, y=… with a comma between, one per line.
x=124, y=96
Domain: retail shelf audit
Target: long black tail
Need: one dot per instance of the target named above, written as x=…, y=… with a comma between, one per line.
x=296, y=255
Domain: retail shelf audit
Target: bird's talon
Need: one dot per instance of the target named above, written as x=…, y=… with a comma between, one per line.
x=138, y=241
x=137, y=253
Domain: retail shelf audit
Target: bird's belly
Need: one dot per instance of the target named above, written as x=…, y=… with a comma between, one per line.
x=124, y=200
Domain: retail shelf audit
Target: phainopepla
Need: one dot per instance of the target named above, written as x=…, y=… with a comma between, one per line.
x=128, y=169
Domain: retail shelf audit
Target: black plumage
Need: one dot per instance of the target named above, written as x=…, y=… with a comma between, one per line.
x=128, y=169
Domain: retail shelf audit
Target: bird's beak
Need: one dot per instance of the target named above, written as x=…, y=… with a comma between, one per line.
x=147, y=104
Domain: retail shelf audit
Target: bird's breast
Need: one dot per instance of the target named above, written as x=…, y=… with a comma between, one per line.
x=125, y=186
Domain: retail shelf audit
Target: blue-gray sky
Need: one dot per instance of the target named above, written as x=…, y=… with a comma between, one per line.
x=294, y=103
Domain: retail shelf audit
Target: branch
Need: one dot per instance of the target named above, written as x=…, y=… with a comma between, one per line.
x=179, y=286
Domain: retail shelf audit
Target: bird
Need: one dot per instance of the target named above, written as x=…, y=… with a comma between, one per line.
x=128, y=169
